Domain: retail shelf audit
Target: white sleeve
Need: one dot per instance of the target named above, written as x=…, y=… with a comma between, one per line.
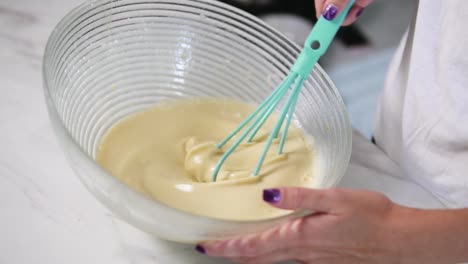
x=422, y=121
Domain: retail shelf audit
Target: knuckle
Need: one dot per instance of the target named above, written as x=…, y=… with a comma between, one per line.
x=334, y=195
x=285, y=231
x=249, y=247
x=384, y=202
x=298, y=230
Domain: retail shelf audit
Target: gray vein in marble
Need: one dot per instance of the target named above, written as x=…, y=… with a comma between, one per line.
x=21, y=46
x=30, y=189
x=18, y=17
x=38, y=200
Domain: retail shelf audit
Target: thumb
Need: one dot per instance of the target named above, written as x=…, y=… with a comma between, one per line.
x=293, y=198
x=332, y=8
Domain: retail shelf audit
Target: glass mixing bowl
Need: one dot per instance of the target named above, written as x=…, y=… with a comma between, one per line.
x=111, y=58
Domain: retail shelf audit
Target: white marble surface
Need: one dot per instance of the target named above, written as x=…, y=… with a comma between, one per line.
x=46, y=215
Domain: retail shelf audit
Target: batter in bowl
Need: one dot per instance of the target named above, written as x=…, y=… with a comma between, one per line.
x=169, y=152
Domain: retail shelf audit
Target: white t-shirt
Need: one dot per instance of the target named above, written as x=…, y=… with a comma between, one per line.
x=422, y=120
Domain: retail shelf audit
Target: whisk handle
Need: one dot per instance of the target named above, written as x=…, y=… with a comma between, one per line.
x=318, y=42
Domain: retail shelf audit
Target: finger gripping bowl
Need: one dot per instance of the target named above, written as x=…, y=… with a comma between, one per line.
x=108, y=59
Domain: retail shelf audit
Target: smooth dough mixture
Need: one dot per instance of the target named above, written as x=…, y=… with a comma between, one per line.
x=169, y=153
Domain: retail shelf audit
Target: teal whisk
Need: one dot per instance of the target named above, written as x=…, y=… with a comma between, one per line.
x=315, y=46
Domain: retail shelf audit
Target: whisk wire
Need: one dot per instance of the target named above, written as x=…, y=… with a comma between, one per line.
x=274, y=99
x=274, y=134
x=295, y=96
x=249, y=118
x=278, y=98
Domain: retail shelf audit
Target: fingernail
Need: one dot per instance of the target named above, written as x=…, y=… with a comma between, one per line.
x=330, y=12
x=359, y=13
x=200, y=249
x=271, y=195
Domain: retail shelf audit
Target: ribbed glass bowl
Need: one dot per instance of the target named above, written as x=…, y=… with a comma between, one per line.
x=111, y=58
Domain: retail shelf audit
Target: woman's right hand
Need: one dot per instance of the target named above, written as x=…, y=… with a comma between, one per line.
x=329, y=9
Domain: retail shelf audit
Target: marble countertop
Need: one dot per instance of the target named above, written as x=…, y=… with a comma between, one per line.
x=46, y=215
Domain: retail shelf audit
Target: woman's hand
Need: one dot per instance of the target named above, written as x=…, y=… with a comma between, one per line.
x=349, y=227
x=331, y=8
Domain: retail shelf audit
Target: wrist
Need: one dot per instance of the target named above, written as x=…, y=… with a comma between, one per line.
x=429, y=236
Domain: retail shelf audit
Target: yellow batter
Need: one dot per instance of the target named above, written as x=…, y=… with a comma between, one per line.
x=169, y=153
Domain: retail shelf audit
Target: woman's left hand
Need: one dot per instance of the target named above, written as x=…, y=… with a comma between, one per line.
x=348, y=227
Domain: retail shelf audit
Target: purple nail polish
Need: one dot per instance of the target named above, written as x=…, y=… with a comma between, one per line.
x=200, y=249
x=272, y=195
x=359, y=13
x=330, y=12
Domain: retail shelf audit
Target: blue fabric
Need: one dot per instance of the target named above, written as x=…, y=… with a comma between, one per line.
x=360, y=84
